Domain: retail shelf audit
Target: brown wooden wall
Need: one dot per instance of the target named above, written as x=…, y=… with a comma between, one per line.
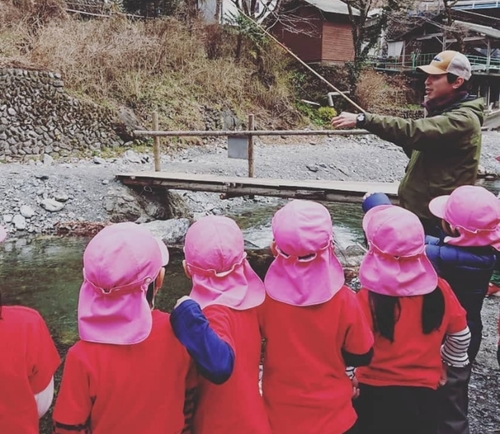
x=331, y=44
x=308, y=48
x=337, y=46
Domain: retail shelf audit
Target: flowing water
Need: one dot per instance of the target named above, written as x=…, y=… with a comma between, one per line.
x=46, y=273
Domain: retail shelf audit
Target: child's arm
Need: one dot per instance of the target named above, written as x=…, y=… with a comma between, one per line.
x=43, y=359
x=358, y=344
x=213, y=356
x=44, y=398
x=74, y=402
x=454, y=349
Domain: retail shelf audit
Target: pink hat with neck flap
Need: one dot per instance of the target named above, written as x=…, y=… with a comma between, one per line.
x=120, y=262
x=396, y=264
x=474, y=212
x=305, y=270
x=216, y=261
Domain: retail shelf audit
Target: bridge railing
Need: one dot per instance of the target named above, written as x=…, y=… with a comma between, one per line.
x=248, y=134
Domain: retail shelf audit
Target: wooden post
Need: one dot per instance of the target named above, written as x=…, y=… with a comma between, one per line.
x=156, y=143
x=250, y=146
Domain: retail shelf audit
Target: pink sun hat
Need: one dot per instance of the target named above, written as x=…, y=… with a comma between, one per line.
x=396, y=264
x=216, y=261
x=3, y=234
x=305, y=270
x=119, y=264
x=474, y=212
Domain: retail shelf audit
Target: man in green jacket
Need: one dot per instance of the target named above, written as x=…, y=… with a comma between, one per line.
x=443, y=148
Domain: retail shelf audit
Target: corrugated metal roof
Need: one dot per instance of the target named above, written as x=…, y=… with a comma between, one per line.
x=478, y=28
x=332, y=6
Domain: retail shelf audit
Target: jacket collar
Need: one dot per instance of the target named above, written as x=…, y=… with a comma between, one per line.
x=438, y=106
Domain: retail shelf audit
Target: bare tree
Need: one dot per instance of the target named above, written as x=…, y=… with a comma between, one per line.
x=268, y=14
x=451, y=27
x=367, y=29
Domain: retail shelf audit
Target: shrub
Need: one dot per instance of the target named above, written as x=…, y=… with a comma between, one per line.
x=379, y=93
x=320, y=116
x=326, y=114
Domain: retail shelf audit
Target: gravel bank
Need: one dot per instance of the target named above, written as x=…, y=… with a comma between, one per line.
x=35, y=197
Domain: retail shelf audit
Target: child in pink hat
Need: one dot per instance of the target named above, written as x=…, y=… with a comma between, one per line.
x=313, y=327
x=127, y=374
x=411, y=312
x=27, y=365
x=218, y=324
x=465, y=255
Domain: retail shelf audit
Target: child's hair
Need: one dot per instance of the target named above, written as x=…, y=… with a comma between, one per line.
x=386, y=311
x=150, y=292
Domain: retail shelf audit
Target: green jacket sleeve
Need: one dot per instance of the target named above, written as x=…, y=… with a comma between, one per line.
x=446, y=130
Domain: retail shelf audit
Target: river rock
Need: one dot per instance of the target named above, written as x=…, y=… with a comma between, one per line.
x=171, y=231
x=99, y=160
x=51, y=205
x=132, y=157
x=47, y=160
x=27, y=211
x=19, y=222
x=61, y=196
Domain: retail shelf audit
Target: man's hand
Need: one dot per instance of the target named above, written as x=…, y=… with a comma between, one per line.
x=344, y=120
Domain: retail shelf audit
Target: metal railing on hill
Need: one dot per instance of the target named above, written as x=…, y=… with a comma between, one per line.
x=410, y=62
x=476, y=4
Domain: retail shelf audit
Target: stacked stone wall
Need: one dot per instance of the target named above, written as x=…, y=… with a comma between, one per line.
x=38, y=117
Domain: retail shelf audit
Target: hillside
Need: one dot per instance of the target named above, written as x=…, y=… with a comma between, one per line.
x=189, y=72
x=194, y=75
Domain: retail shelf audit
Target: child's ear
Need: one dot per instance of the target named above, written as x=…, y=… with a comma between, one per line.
x=449, y=229
x=186, y=270
x=273, y=248
x=159, y=279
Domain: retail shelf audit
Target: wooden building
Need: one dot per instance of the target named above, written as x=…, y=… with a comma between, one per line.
x=323, y=34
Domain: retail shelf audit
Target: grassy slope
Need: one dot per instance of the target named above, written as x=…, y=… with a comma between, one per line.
x=162, y=65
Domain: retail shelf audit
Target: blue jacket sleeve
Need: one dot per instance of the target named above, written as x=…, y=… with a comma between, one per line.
x=213, y=356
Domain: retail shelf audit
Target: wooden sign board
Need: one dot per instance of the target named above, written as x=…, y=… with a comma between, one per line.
x=237, y=147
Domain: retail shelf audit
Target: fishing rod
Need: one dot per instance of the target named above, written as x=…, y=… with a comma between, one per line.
x=323, y=79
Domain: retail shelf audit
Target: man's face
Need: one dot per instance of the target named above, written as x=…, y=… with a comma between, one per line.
x=437, y=87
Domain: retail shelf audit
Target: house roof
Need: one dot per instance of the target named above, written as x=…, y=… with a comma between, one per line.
x=472, y=27
x=332, y=6
x=478, y=28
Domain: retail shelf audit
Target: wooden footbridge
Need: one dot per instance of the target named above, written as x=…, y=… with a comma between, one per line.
x=227, y=186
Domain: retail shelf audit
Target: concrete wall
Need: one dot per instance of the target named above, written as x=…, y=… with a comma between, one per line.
x=38, y=117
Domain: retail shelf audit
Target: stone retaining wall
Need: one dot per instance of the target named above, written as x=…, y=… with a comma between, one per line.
x=37, y=118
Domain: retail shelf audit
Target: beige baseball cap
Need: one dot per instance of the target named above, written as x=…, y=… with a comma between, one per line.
x=448, y=62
